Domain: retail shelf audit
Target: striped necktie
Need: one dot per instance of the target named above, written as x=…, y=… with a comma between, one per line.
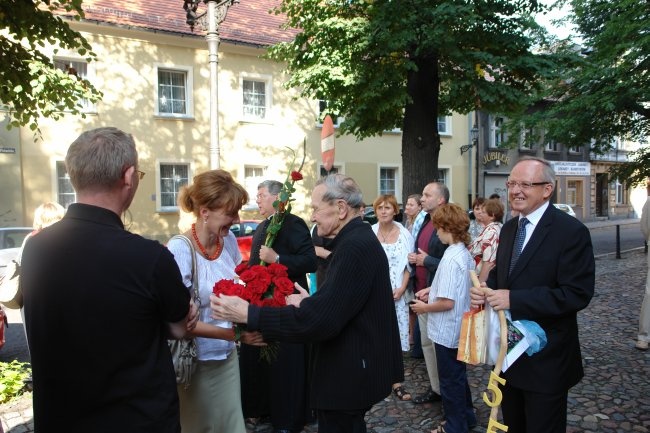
x=519, y=243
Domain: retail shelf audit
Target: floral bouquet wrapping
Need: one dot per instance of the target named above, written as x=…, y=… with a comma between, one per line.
x=264, y=286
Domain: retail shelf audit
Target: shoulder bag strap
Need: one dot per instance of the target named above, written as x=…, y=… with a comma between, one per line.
x=195, y=279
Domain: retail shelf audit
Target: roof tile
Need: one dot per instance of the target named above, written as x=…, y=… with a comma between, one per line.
x=247, y=22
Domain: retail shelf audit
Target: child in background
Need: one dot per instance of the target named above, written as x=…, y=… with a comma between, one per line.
x=448, y=300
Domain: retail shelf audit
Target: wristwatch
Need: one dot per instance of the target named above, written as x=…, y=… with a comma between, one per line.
x=277, y=258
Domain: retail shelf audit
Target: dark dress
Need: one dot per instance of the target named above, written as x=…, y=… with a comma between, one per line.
x=279, y=389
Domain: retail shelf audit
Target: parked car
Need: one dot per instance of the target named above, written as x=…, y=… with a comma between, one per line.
x=369, y=215
x=565, y=208
x=13, y=237
x=244, y=234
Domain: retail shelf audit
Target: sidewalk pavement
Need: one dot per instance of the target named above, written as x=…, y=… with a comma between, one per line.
x=613, y=397
x=595, y=225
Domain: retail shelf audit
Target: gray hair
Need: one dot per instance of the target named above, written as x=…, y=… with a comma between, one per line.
x=273, y=186
x=341, y=187
x=442, y=190
x=548, y=174
x=97, y=159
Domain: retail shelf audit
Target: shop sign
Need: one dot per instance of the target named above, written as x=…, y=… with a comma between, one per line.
x=496, y=156
x=7, y=150
x=571, y=168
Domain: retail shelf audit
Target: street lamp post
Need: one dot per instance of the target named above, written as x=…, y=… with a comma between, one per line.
x=473, y=135
x=210, y=20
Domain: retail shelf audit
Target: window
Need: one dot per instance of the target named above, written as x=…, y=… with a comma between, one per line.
x=65, y=194
x=78, y=68
x=444, y=125
x=256, y=97
x=497, y=134
x=172, y=177
x=324, y=173
x=253, y=176
x=322, y=107
x=620, y=192
x=388, y=180
x=174, y=90
x=552, y=146
x=442, y=175
x=575, y=149
x=572, y=192
x=527, y=139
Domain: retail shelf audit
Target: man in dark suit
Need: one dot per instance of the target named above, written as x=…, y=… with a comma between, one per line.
x=278, y=388
x=350, y=319
x=544, y=272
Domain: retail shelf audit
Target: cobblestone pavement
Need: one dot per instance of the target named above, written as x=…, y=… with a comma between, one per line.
x=613, y=397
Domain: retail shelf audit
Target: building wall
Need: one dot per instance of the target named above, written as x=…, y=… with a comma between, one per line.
x=125, y=71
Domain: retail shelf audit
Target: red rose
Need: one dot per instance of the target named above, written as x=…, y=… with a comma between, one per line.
x=279, y=299
x=296, y=175
x=248, y=275
x=283, y=286
x=241, y=268
x=228, y=287
x=277, y=269
x=256, y=287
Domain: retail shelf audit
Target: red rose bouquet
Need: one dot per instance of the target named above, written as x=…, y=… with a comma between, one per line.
x=265, y=286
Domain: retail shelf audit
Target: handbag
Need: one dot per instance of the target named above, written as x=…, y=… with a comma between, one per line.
x=183, y=351
x=472, y=344
x=11, y=294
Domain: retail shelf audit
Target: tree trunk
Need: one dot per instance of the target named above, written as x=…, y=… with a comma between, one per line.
x=420, y=138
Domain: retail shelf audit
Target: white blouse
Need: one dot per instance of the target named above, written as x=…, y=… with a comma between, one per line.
x=209, y=272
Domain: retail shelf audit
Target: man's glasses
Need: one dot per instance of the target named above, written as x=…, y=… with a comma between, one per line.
x=524, y=185
x=140, y=174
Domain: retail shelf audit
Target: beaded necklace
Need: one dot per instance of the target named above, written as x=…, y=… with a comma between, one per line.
x=217, y=252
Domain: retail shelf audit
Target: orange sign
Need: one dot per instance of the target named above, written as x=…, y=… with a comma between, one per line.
x=327, y=143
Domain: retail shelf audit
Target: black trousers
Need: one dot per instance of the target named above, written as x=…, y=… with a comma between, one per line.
x=335, y=421
x=533, y=412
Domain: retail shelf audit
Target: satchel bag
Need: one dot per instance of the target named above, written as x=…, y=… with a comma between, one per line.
x=184, y=350
x=11, y=295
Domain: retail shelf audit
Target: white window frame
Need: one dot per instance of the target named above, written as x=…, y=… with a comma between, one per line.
x=497, y=136
x=445, y=171
x=619, y=189
x=524, y=143
x=268, y=96
x=552, y=146
x=87, y=106
x=175, y=162
x=575, y=149
x=447, y=122
x=336, y=168
x=335, y=120
x=397, y=180
x=251, y=183
x=189, y=90
x=60, y=163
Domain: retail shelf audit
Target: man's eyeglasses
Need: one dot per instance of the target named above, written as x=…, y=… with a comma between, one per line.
x=524, y=185
x=140, y=174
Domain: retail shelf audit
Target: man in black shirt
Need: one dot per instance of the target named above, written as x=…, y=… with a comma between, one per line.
x=100, y=303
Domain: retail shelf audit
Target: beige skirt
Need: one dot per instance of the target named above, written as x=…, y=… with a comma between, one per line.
x=212, y=403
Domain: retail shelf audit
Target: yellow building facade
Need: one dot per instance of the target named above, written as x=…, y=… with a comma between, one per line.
x=156, y=86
